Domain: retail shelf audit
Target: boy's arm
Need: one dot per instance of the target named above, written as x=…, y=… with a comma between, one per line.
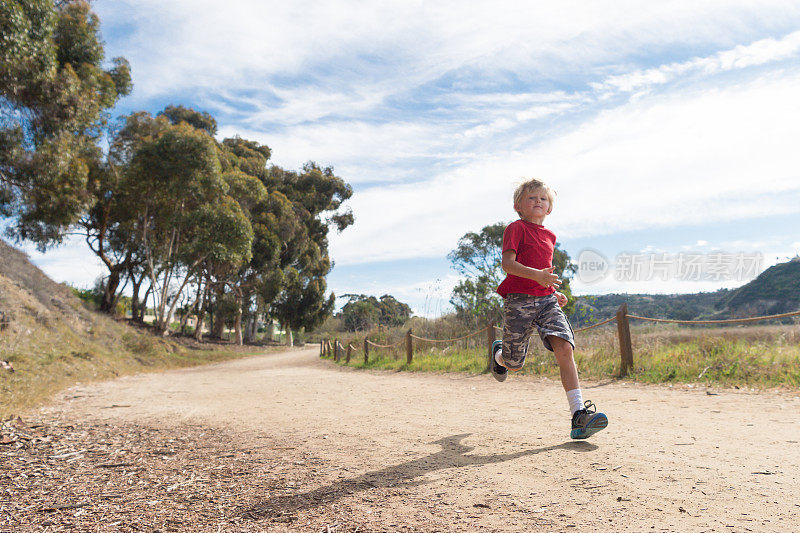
x=544, y=277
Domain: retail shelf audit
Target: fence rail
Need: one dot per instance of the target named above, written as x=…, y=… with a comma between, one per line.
x=335, y=349
x=725, y=321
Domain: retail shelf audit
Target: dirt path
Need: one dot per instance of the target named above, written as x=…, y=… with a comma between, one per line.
x=373, y=451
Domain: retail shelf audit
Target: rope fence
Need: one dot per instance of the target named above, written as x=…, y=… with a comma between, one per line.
x=335, y=349
x=606, y=321
x=374, y=345
x=467, y=336
x=726, y=321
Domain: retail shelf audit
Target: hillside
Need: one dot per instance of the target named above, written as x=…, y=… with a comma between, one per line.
x=776, y=290
x=590, y=309
x=53, y=341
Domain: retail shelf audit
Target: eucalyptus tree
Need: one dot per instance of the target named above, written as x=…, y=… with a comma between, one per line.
x=200, y=120
x=317, y=195
x=54, y=93
x=176, y=179
x=249, y=193
x=362, y=312
x=109, y=225
x=219, y=233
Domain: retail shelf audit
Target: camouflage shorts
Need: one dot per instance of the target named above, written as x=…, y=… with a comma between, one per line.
x=523, y=315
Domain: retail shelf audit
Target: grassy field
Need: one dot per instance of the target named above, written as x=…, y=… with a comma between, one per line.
x=754, y=356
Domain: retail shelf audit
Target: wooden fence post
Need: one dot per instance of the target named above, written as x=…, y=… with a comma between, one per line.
x=625, y=348
x=409, y=347
x=490, y=338
x=336, y=350
x=321, y=348
x=366, y=350
x=349, y=348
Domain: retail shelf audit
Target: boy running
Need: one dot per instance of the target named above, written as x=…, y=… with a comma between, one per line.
x=532, y=303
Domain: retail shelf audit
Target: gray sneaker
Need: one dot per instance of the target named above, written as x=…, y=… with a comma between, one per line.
x=500, y=373
x=587, y=421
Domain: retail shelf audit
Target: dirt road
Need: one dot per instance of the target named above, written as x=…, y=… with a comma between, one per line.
x=373, y=451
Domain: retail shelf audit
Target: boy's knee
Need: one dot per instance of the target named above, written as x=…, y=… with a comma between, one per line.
x=561, y=347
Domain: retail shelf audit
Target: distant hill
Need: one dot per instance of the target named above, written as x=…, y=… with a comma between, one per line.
x=774, y=291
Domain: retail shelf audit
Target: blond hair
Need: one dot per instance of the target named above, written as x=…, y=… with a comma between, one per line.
x=531, y=185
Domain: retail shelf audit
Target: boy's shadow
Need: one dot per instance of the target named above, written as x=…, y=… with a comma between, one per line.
x=452, y=455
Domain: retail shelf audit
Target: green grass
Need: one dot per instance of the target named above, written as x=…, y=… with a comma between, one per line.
x=755, y=356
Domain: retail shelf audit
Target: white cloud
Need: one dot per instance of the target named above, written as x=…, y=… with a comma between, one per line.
x=246, y=44
x=742, y=56
x=469, y=126
x=667, y=160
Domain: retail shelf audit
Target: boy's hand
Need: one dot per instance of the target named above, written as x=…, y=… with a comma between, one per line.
x=548, y=279
x=561, y=299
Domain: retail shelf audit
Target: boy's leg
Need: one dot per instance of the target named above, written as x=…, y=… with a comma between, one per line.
x=562, y=349
x=557, y=336
x=509, y=354
x=586, y=421
x=519, y=324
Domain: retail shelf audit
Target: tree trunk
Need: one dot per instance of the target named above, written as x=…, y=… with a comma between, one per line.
x=143, y=309
x=270, y=330
x=198, y=329
x=201, y=315
x=135, y=297
x=194, y=309
x=219, y=320
x=174, y=304
x=110, y=292
x=237, y=323
x=252, y=329
x=219, y=326
x=289, y=337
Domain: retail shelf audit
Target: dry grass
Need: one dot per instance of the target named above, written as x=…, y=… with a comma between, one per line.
x=53, y=342
x=47, y=359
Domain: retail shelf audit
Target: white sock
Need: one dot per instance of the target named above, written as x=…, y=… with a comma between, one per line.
x=575, y=400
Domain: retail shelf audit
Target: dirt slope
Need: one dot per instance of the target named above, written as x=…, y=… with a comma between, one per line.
x=372, y=451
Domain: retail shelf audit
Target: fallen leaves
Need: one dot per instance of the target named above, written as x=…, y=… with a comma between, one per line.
x=78, y=476
x=14, y=430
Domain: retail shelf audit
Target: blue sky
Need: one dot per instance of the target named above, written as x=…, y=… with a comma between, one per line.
x=662, y=126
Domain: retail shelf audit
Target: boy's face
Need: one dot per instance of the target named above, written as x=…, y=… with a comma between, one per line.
x=534, y=205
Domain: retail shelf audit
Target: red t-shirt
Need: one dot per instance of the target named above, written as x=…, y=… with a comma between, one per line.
x=534, y=245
